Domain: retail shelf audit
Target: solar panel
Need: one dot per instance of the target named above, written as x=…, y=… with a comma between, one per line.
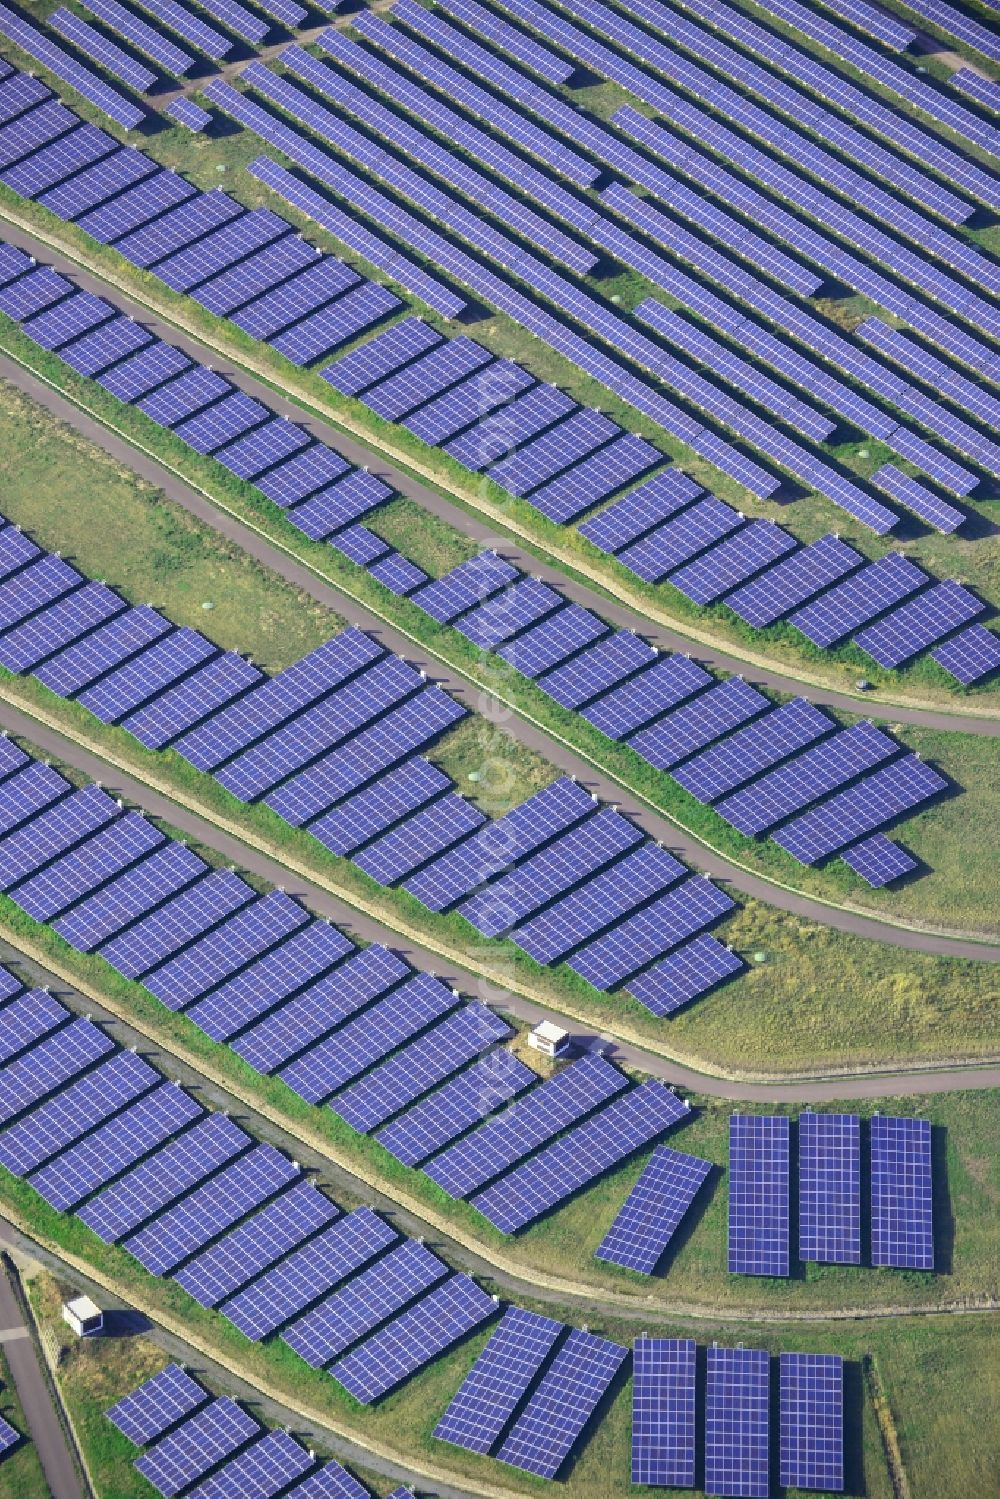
x=573, y=439
x=622, y=1127
x=247, y=1251
x=508, y=40
x=663, y=1412
x=178, y=708
x=179, y=19
x=86, y=83
x=261, y=449
x=128, y=686
x=110, y=221
x=204, y=1439
x=753, y=749
x=380, y=356
x=878, y=860
x=902, y=1201
x=336, y=323
x=736, y=1422
x=557, y=1414
x=221, y=422
x=109, y=1150
x=501, y=843
x=582, y=851
x=295, y=1282
x=128, y=896
x=57, y=626
x=156, y=1405
x=692, y=970
x=91, y=42
x=919, y=623
x=598, y=903
x=830, y=1188
x=468, y=401
x=369, y=812
x=651, y=1215
x=325, y=513
x=581, y=487
x=792, y=581
x=206, y=1212
x=302, y=475
x=369, y=1298
x=27, y=791
x=640, y=510
x=310, y=1015
x=599, y=667
x=725, y=706
x=609, y=960
x=370, y=1036
x=148, y=39
x=870, y=592
x=561, y=635
x=923, y=502
x=58, y=160
x=415, y=1337
x=498, y=1380
x=37, y=585
x=260, y=1470
x=74, y=1110
x=526, y=1125
x=838, y=759
x=261, y=925
x=15, y=550
x=448, y=1112
x=811, y=1393
x=495, y=435
x=149, y=941
x=332, y=1481
x=152, y=242
x=643, y=697
x=189, y=114
x=875, y=800
x=51, y=1061
x=242, y=999
x=52, y=831
x=19, y=92
x=305, y=293
x=754, y=547
x=423, y=835
x=662, y=550
x=969, y=656
x=27, y=1018
x=758, y=1195
x=71, y=318
x=424, y=377
x=163, y=1177
x=112, y=341
x=468, y=584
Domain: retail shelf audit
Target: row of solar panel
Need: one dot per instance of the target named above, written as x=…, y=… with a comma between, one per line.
x=829, y=1197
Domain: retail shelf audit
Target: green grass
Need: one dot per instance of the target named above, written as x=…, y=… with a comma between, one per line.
x=20, y=1470
x=169, y=554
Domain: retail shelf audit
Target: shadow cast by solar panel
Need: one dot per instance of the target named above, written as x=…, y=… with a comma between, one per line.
x=944, y=1217
x=598, y=1415
x=700, y=1385
x=854, y=1446
x=690, y=1223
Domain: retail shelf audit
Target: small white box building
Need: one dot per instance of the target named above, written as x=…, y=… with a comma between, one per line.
x=548, y=1038
x=83, y=1316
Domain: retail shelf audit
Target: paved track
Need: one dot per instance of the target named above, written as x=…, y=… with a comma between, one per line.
x=44, y=1426
x=681, y=842
x=359, y=924
x=479, y=530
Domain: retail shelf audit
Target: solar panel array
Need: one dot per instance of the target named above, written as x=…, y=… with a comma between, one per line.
x=736, y=1422
x=811, y=1442
x=653, y=1210
x=830, y=1188
x=902, y=1199
x=663, y=1412
x=564, y=1401
x=759, y=1147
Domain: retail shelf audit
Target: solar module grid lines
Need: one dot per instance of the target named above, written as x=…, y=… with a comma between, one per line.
x=464, y=1101
x=918, y=623
x=296, y=478
x=653, y=1211
x=380, y=356
x=830, y=1188
x=970, y=656
x=189, y=114
x=509, y=612
x=200, y=1443
x=663, y=1411
x=902, y=1202
x=32, y=1014
x=65, y=67
x=716, y=572
x=31, y=787
x=148, y=39
x=193, y=699
x=98, y=1157
x=922, y=501
x=581, y=487
x=16, y=550
x=498, y=1380
x=793, y=581
x=644, y=696
x=686, y=729
x=565, y=444
x=304, y=293
x=146, y=943
x=325, y=1260
x=111, y=221
x=245, y=1252
x=163, y=662
x=336, y=323
x=611, y=959
x=597, y=669
x=156, y=238
x=498, y=434
x=546, y=644
x=811, y=1435
x=26, y=133
x=330, y=514
x=640, y=510
x=623, y=1126
x=414, y=1338
x=19, y=92
x=874, y=801
x=221, y=422
x=178, y=18
x=39, y=584
x=510, y=40
x=160, y=1179
x=470, y=400
x=558, y=1412
x=801, y=780
x=97, y=47
x=53, y=1060
x=878, y=860
x=159, y=875
x=156, y=1405
x=736, y=1422
x=425, y=376
x=689, y=971
x=52, y=831
x=400, y=1080
x=58, y=626
x=528, y=1123
x=259, y=1471
x=76, y=1109
x=759, y=1147
x=772, y=738
x=467, y=584
x=371, y=1297
x=95, y=351
x=673, y=542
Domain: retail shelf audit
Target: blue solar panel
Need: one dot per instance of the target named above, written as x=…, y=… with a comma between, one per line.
x=70, y=319
x=27, y=1018
x=199, y=1444
x=261, y=1470
x=26, y=792
x=161, y=874
x=409, y=1342
x=719, y=570
x=336, y=323
x=653, y=1211
x=640, y=510
x=157, y=1404
x=660, y=551
x=811, y=1442
x=557, y=1413
x=771, y=739
x=262, y=924
x=186, y=112
x=736, y=1422
x=919, y=623
x=581, y=487
x=970, y=656
x=181, y=226
x=93, y=44
x=302, y=475
x=65, y=67
x=663, y=1412
x=51, y=1062
x=147, y=942
x=369, y=812
x=497, y=1381
x=52, y=831
x=902, y=1200
x=643, y=697
x=495, y=435
x=508, y=613
x=758, y=1195
x=609, y=960
x=39, y=584
x=598, y=668
x=692, y=970
x=878, y=860
x=468, y=401
x=221, y=422
x=58, y=626
x=148, y=39
x=568, y=442
x=468, y=584
x=463, y=1102
x=15, y=550
x=105, y=346
x=112, y=220
x=870, y=592
x=75, y=1110
x=116, y=1145
x=625, y=1125
x=242, y=999
x=126, y=688
x=713, y=713
x=369, y=1298
x=304, y=294
x=830, y=1188
x=875, y=800
x=790, y=582
x=531, y=1121
x=424, y=835
x=178, y=708
x=923, y=502
x=564, y=633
